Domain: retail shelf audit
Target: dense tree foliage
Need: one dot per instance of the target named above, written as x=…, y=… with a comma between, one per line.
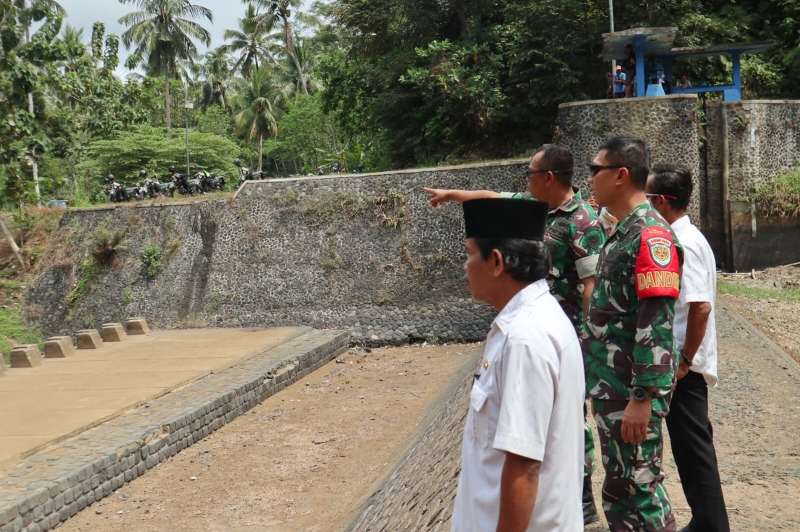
x=297, y=86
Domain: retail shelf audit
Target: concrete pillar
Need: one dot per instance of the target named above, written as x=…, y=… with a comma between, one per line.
x=113, y=332
x=89, y=339
x=136, y=326
x=58, y=347
x=26, y=356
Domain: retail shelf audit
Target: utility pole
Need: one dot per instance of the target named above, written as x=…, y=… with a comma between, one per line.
x=611, y=12
x=187, y=106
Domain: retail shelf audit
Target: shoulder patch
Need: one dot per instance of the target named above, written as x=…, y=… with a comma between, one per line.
x=658, y=265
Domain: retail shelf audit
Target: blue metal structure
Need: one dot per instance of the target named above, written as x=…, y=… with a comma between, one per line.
x=654, y=45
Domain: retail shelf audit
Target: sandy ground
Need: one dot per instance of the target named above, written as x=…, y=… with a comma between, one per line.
x=305, y=459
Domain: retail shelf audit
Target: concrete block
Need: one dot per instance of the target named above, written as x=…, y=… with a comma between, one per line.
x=58, y=347
x=89, y=339
x=26, y=356
x=136, y=326
x=113, y=332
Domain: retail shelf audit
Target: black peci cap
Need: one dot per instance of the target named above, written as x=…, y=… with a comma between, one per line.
x=505, y=218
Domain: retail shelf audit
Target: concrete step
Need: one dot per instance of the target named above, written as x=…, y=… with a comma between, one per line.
x=60, y=479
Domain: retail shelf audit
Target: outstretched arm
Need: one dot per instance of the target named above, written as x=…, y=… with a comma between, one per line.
x=440, y=196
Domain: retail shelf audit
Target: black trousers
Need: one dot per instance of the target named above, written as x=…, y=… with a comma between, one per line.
x=692, y=441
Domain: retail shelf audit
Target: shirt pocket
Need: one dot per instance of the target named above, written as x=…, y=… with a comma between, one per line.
x=480, y=414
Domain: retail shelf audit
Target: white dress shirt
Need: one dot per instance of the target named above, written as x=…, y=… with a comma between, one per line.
x=528, y=400
x=698, y=284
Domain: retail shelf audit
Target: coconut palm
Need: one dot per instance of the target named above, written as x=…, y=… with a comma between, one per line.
x=307, y=57
x=251, y=41
x=162, y=33
x=276, y=15
x=256, y=108
x=77, y=65
x=216, y=73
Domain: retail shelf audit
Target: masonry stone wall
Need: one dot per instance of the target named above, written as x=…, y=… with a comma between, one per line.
x=366, y=253
x=667, y=124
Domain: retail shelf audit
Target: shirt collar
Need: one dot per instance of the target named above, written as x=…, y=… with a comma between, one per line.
x=681, y=222
x=625, y=225
x=523, y=299
x=571, y=204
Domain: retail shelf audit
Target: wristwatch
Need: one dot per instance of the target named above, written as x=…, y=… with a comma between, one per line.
x=640, y=394
x=686, y=358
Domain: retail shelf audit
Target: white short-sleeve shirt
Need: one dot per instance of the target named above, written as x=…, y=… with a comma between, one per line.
x=528, y=400
x=698, y=285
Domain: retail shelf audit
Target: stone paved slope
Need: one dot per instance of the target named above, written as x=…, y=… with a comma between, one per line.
x=56, y=483
x=755, y=411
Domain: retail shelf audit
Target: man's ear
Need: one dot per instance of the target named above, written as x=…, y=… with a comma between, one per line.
x=623, y=176
x=498, y=264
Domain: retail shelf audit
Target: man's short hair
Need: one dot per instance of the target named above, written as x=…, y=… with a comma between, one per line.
x=631, y=153
x=672, y=180
x=526, y=261
x=558, y=159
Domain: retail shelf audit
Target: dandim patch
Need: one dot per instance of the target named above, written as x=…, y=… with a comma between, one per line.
x=657, y=265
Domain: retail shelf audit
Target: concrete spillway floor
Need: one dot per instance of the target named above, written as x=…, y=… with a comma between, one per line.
x=64, y=396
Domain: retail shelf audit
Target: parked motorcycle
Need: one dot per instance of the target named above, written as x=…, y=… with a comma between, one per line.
x=209, y=182
x=187, y=187
x=116, y=192
x=246, y=175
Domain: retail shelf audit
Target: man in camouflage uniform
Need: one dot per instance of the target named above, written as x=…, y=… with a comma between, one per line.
x=574, y=237
x=629, y=355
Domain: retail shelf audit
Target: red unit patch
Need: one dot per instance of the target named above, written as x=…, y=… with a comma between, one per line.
x=658, y=265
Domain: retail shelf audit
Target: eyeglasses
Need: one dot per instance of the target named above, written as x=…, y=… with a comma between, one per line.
x=594, y=169
x=669, y=197
x=530, y=172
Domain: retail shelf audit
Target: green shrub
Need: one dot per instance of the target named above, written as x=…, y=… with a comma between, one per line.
x=780, y=197
x=151, y=259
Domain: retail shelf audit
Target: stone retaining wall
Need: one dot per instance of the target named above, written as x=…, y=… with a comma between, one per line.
x=420, y=493
x=366, y=253
x=56, y=483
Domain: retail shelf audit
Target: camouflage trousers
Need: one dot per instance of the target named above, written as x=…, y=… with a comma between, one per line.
x=588, y=441
x=634, y=496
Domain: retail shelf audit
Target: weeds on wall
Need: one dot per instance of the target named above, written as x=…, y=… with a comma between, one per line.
x=335, y=210
x=89, y=274
x=107, y=245
x=152, y=261
x=781, y=197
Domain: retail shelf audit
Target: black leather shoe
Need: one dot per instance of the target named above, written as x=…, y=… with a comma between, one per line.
x=590, y=514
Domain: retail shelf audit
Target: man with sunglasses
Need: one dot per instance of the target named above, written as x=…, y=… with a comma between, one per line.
x=669, y=188
x=574, y=237
x=628, y=350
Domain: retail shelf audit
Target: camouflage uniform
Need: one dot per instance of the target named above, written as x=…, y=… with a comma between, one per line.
x=574, y=238
x=628, y=343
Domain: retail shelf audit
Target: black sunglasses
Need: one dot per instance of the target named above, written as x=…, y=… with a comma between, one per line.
x=595, y=168
x=530, y=172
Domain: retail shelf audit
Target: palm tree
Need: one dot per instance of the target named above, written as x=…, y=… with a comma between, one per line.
x=307, y=57
x=251, y=41
x=216, y=73
x=277, y=14
x=162, y=33
x=77, y=64
x=256, y=108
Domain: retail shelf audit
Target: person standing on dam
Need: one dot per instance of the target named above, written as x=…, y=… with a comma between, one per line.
x=522, y=449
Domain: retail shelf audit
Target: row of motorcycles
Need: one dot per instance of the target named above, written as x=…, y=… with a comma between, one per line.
x=203, y=182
